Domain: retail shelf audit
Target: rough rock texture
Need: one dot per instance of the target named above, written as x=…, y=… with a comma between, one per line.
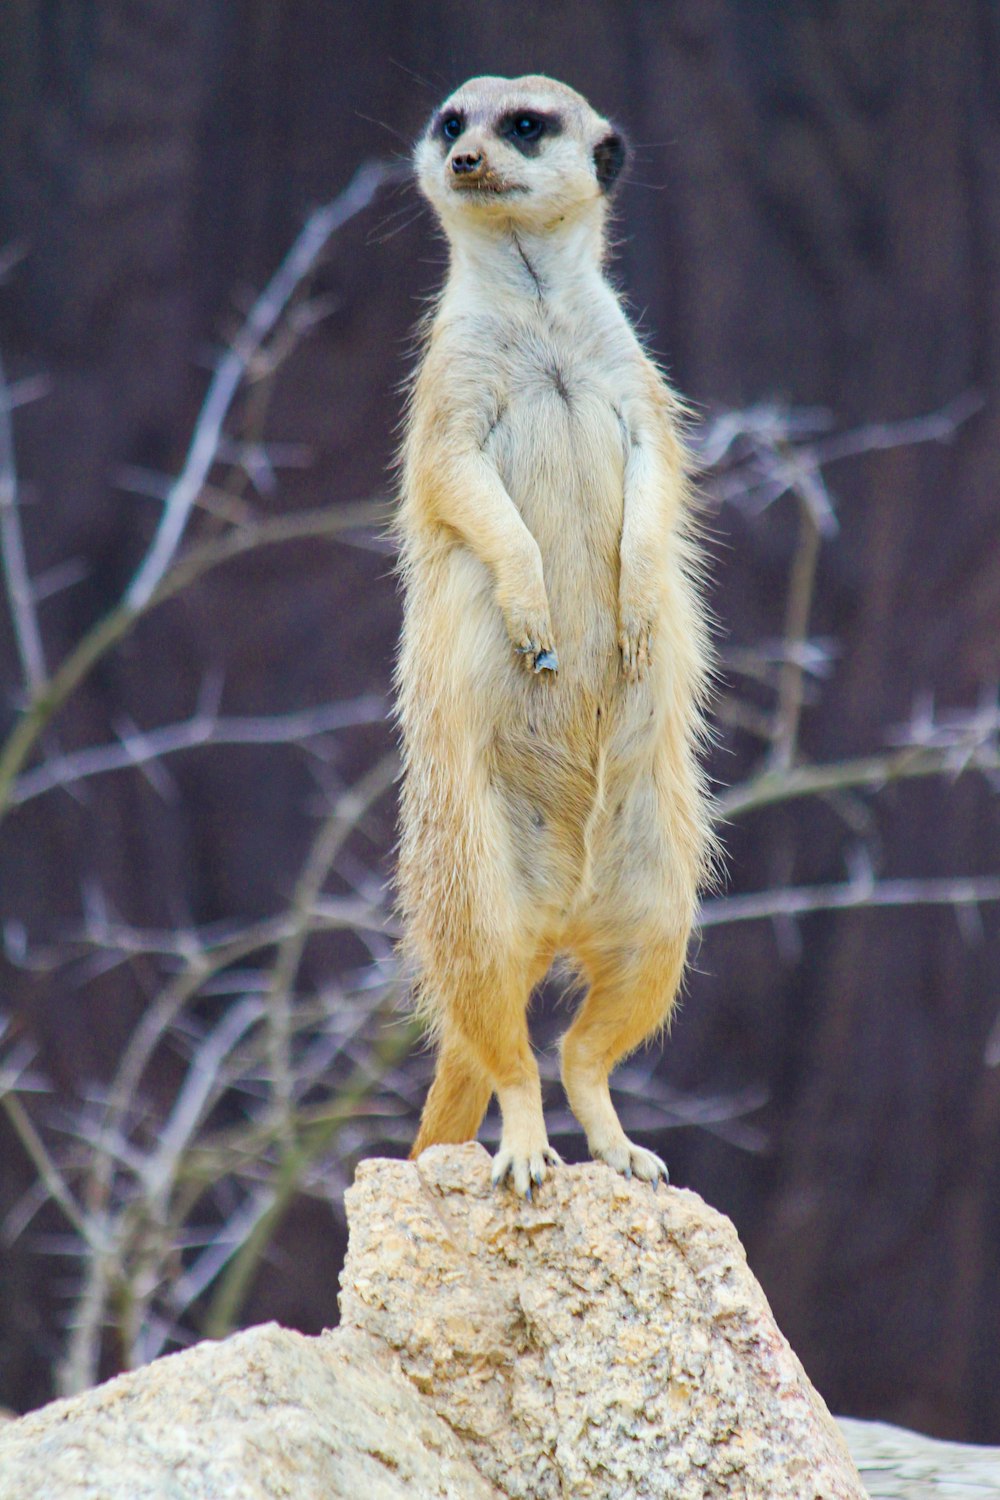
x=607, y=1340
x=267, y=1415
x=900, y=1465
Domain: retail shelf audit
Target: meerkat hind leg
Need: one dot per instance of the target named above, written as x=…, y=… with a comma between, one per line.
x=455, y=1107
x=457, y=1101
x=486, y=1047
x=629, y=1000
x=524, y=1150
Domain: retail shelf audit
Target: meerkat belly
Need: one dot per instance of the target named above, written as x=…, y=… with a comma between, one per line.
x=558, y=448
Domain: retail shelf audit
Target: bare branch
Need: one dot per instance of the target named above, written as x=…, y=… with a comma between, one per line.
x=869, y=772
x=939, y=426
x=139, y=748
x=44, y=1165
x=233, y=367
x=797, y=610
x=346, y=815
x=196, y=1096
x=110, y=629
x=796, y=901
x=15, y=566
x=771, y=450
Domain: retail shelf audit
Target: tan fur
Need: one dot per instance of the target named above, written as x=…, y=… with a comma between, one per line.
x=545, y=507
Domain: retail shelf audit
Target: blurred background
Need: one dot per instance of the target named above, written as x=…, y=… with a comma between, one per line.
x=202, y=1026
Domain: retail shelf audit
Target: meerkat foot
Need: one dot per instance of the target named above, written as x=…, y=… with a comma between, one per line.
x=523, y=1169
x=633, y=1161
x=635, y=640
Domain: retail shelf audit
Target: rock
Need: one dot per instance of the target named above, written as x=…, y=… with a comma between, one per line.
x=266, y=1414
x=607, y=1340
x=899, y=1465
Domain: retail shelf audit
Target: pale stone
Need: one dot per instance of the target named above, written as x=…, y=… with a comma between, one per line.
x=899, y=1465
x=606, y=1340
x=266, y=1415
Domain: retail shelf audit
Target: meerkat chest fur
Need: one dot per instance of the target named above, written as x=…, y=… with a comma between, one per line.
x=545, y=373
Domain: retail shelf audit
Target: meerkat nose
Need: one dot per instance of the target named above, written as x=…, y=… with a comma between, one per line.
x=468, y=162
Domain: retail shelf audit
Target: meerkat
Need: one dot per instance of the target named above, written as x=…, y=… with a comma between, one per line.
x=554, y=656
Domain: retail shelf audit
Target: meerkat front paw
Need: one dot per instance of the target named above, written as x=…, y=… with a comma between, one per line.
x=532, y=638
x=525, y=607
x=635, y=640
x=540, y=660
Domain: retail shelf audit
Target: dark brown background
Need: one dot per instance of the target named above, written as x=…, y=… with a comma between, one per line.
x=813, y=214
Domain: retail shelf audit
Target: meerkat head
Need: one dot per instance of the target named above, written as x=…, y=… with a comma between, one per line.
x=517, y=152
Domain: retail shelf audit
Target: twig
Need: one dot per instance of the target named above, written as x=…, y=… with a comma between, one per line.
x=768, y=430
x=139, y=748
x=233, y=367
x=308, y=1146
x=939, y=426
x=195, y=1098
x=45, y=1166
x=872, y=772
x=111, y=628
x=79, y=1367
x=785, y=733
x=15, y=567
x=200, y=964
x=347, y=813
x=795, y=901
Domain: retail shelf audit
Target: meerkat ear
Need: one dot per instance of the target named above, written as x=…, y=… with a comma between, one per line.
x=609, y=158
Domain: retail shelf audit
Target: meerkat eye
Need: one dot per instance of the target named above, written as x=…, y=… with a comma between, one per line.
x=527, y=127
x=452, y=126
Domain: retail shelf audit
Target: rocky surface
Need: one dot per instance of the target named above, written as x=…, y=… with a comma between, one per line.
x=266, y=1415
x=607, y=1340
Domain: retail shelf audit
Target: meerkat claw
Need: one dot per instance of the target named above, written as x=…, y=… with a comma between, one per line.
x=501, y=1167
x=546, y=661
x=523, y=1172
x=633, y=1161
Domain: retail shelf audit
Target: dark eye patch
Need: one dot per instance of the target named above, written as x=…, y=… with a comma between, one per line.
x=449, y=124
x=525, y=129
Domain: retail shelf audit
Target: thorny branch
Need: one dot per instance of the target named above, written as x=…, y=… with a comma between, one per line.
x=115, y=625
x=159, y=576
x=138, y=749
x=234, y=366
x=796, y=901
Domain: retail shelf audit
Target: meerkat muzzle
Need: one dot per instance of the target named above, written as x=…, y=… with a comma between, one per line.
x=470, y=171
x=469, y=164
